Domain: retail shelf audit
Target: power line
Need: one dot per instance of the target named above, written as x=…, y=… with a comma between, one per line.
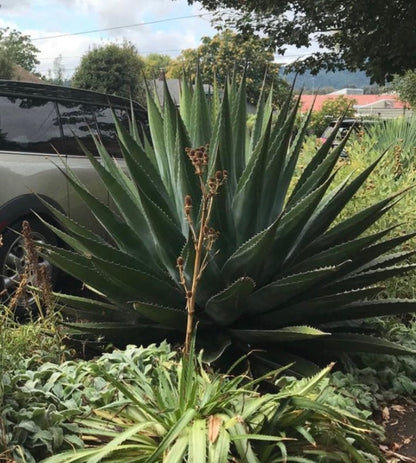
x=141, y=52
x=122, y=27
x=149, y=52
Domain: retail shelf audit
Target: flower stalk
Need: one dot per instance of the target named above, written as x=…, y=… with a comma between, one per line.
x=203, y=237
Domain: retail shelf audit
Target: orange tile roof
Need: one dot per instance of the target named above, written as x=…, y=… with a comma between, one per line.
x=308, y=100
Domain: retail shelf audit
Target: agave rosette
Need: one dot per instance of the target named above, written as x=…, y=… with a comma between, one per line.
x=285, y=274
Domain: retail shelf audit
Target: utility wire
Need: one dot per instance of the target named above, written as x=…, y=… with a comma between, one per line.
x=121, y=27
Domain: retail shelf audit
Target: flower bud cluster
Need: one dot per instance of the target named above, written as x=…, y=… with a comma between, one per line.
x=188, y=205
x=210, y=234
x=215, y=182
x=199, y=158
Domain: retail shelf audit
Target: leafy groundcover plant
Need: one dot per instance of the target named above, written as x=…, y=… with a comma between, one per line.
x=278, y=272
x=161, y=408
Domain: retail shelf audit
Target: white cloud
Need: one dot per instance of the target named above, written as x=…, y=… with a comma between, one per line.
x=46, y=18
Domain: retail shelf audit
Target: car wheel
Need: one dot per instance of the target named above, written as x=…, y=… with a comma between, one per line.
x=12, y=259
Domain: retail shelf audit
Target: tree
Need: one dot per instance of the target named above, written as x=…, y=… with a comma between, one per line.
x=332, y=108
x=372, y=35
x=155, y=63
x=19, y=48
x=113, y=69
x=56, y=75
x=405, y=86
x=6, y=65
x=229, y=52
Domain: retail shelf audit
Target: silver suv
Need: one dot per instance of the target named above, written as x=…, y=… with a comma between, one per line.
x=39, y=125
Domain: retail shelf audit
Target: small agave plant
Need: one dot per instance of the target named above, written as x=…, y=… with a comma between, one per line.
x=216, y=222
x=175, y=411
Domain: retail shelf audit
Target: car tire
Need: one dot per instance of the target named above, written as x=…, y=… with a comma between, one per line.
x=12, y=258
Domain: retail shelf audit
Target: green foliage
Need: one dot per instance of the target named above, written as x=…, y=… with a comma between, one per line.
x=28, y=416
x=395, y=173
x=147, y=398
x=285, y=274
x=343, y=30
x=405, y=86
x=376, y=380
x=154, y=64
x=332, y=109
x=113, y=69
x=41, y=400
x=399, y=136
x=176, y=410
x=19, y=341
x=228, y=52
x=19, y=48
x=37, y=408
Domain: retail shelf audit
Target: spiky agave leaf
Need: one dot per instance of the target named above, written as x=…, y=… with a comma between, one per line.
x=283, y=264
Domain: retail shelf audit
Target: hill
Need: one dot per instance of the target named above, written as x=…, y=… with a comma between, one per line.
x=328, y=80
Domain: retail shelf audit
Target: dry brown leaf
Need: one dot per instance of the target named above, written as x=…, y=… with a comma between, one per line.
x=385, y=413
x=394, y=455
x=396, y=446
x=214, y=425
x=398, y=408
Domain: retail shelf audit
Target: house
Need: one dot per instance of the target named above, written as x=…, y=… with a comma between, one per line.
x=174, y=86
x=386, y=106
x=21, y=74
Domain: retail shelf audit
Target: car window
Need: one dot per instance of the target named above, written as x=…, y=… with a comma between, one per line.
x=29, y=125
x=327, y=131
x=107, y=128
x=78, y=121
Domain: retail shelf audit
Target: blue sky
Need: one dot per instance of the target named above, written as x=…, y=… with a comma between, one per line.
x=46, y=18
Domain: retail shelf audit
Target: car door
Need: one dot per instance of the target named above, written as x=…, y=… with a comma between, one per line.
x=78, y=122
x=29, y=131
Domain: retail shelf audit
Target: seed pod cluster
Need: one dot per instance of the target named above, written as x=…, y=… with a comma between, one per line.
x=215, y=182
x=199, y=158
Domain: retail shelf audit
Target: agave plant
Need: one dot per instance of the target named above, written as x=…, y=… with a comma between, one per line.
x=176, y=411
x=278, y=270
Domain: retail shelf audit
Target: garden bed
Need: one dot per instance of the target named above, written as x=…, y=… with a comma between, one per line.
x=400, y=424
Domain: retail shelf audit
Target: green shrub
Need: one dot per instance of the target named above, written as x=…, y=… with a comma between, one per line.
x=153, y=400
x=175, y=411
x=332, y=109
x=395, y=173
x=377, y=380
x=41, y=400
x=39, y=337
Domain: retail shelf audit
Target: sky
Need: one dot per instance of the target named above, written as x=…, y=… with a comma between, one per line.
x=67, y=29
x=153, y=26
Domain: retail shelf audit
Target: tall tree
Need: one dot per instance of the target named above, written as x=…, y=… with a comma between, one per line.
x=229, y=52
x=377, y=36
x=113, y=69
x=57, y=73
x=154, y=64
x=19, y=48
x=405, y=86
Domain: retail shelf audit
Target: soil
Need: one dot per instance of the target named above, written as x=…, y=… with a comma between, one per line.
x=399, y=421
